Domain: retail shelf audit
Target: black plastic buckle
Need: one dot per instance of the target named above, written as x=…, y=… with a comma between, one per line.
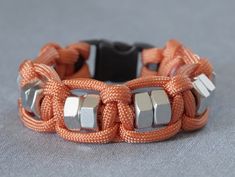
x=116, y=61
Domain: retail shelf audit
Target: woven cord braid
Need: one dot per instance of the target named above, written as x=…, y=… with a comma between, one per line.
x=178, y=65
x=174, y=87
x=39, y=68
x=105, y=135
x=29, y=72
x=121, y=96
x=64, y=59
x=178, y=60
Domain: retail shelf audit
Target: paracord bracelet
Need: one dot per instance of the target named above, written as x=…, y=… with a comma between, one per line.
x=58, y=95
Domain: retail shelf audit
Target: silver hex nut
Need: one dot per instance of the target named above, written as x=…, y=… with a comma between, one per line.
x=89, y=111
x=204, y=89
x=31, y=95
x=162, y=107
x=213, y=78
x=143, y=110
x=207, y=82
x=72, y=112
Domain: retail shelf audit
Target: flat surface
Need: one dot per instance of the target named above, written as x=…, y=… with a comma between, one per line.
x=208, y=27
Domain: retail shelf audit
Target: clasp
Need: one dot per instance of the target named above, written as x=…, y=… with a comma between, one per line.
x=116, y=61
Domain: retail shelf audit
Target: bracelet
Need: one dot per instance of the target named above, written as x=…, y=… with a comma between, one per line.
x=134, y=93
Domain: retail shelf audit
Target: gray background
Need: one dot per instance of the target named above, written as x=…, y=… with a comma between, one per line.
x=208, y=27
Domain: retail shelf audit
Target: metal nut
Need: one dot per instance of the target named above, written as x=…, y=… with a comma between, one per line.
x=89, y=111
x=213, y=79
x=72, y=108
x=143, y=110
x=207, y=82
x=31, y=96
x=204, y=91
x=162, y=107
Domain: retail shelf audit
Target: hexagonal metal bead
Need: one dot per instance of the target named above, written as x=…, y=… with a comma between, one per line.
x=89, y=111
x=18, y=80
x=202, y=96
x=204, y=90
x=162, y=107
x=24, y=93
x=72, y=112
x=207, y=82
x=213, y=79
x=143, y=110
x=31, y=96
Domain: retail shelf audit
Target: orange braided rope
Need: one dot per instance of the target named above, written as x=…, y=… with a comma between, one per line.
x=178, y=65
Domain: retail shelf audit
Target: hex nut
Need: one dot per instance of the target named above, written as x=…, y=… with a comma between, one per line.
x=31, y=95
x=89, y=111
x=72, y=112
x=162, y=107
x=143, y=110
x=204, y=90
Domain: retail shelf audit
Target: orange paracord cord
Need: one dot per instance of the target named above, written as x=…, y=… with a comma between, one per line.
x=178, y=65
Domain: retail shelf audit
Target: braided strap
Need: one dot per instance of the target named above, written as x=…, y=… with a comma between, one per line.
x=178, y=65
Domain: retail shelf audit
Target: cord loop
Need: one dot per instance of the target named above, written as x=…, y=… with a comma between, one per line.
x=121, y=95
x=56, y=89
x=27, y=72
x=116, y=93
x=178, y=84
